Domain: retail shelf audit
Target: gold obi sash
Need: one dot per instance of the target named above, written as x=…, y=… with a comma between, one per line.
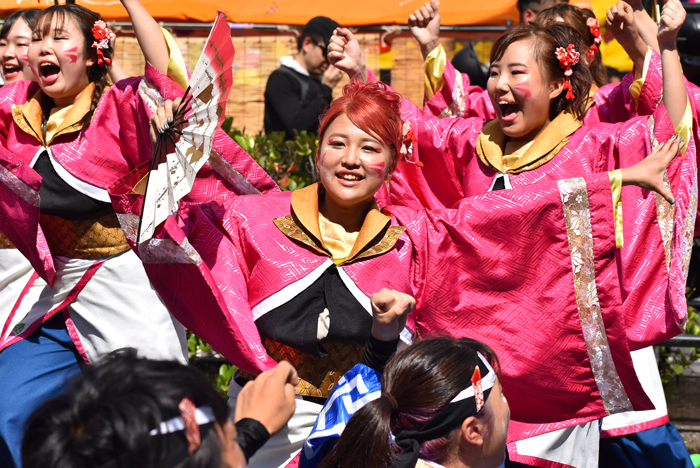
x=317, y=376
x=85, y=239
x=5, y=243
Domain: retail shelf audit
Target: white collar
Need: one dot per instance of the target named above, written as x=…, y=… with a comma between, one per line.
x=289, y=62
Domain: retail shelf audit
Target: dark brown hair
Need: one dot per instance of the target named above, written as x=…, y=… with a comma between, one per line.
x=545, y=41
x=421, y=380
x=28, y=15
x=85, y=20
x=577, y=18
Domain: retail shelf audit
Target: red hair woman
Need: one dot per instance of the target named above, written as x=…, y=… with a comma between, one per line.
x=288, y=276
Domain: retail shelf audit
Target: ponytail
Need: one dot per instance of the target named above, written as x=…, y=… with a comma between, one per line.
x=418, y=382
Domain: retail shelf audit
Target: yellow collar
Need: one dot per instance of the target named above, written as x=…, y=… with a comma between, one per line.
x=492, y=140
x=376, y=230
x=29, y=116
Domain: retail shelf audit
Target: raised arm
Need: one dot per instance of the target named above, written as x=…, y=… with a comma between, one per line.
x=675, y=95
x=621, y=22
x=148, y=34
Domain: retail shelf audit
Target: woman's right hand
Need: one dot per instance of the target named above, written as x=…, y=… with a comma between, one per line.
x=390, y=310
x=672, y=18
x=424, y=24
x=161, y=121
x=345, y=54
x=649, y=173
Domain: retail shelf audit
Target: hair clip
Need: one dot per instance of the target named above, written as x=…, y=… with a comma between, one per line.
x=478, y=391
x=187, y=412
x=567, y=58
x=594, y=26
x=103, y=34
x=407, y=141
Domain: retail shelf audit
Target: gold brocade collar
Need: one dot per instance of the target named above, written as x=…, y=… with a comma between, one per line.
x=29, y=116
x=302, y=225
x=492, y=141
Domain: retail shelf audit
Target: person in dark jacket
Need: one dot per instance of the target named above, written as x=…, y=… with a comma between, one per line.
x=302, y=86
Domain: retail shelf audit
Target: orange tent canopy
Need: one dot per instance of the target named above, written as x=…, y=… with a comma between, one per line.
x=295, y=12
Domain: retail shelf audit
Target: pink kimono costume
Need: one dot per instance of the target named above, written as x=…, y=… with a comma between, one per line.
x=463, y=158
x=223, y=268
x=88, y=276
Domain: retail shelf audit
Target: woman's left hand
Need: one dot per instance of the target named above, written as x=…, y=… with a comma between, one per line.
x=649, y=173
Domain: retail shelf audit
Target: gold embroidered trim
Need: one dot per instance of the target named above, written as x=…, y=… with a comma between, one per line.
x=689, y=227
x=5, y=243
x=25, y=192
x=665, y=215
x=230, y=174
x=665, y=212
x=167, y=251
x=130, y=225
x=384, y=245
x=458, y=107
x=317, y=376
x=289, y=228
x=574, y=196
x=89, y=238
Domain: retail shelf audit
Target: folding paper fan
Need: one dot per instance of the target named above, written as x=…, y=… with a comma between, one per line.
x=203, y=105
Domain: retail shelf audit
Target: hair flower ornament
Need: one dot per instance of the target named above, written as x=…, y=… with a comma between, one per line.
x=407, y=142
x=567, y=58
x=594, y=26
x=103, y=35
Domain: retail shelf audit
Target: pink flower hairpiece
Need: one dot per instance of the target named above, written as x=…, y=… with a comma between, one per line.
x=594, y=26
x=567, y=58
x=103, y=35
x=408, y=139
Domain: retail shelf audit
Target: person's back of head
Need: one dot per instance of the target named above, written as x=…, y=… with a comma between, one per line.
x=689, y=44
x=529, y=9
x=440, y=402
x=129, y=412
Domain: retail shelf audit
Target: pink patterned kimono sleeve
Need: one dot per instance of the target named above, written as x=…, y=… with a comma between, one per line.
x=19, y=212
x=445, y=148
x=523, y=278
x=658, y=236
x=203, y=287
x=458, y=98
x=651, y=92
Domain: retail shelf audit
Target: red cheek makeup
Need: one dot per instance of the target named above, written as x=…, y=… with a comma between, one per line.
x=524, y=88
x=378, y=169
x=73, y=57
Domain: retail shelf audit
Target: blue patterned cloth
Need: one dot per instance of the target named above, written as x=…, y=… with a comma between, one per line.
x=359, y=386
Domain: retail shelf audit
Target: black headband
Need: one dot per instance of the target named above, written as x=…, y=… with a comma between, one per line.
x=467, y=403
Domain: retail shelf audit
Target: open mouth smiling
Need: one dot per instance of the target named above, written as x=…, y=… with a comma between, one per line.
x=509, y=110
x=49, y=71
x=10, y=70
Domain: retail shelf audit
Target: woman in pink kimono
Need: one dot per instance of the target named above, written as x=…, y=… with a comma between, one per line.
x=448, y=93
x=534, y=140
x=65, y=139
x=288, y=276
